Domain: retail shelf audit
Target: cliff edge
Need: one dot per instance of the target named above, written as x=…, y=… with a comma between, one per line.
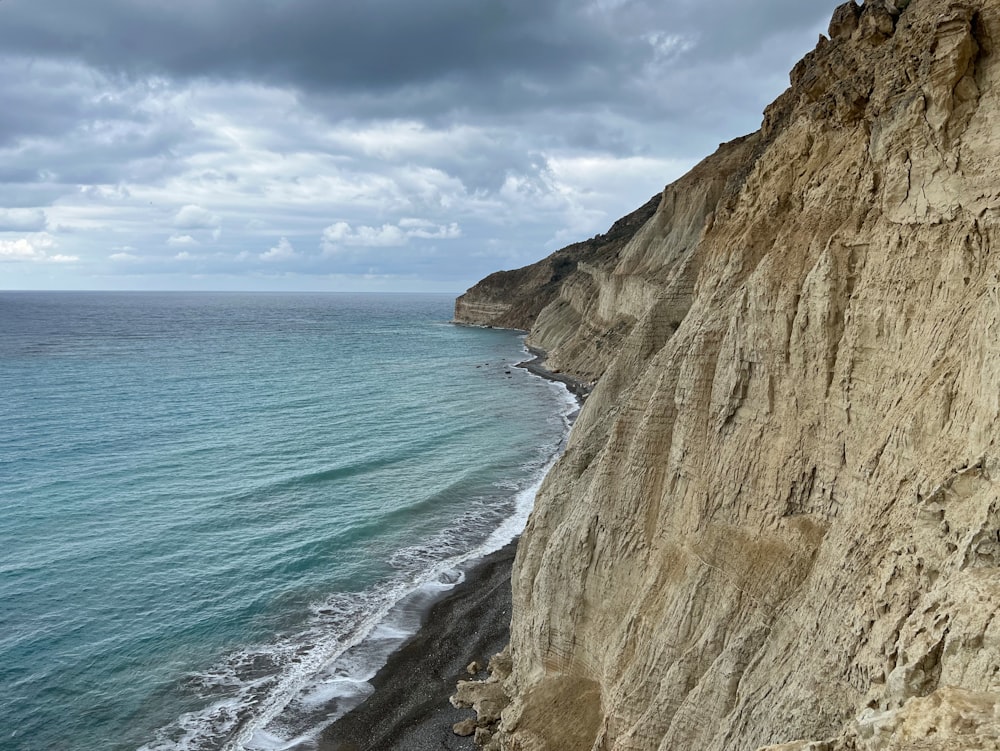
x=777, y=522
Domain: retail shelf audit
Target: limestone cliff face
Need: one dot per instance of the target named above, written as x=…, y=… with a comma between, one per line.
x=513, y=299
x=777, y=523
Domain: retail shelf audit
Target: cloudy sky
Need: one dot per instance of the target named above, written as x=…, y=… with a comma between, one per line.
x=357, y=144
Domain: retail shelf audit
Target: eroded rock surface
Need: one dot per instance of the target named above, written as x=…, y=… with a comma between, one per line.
x=777, y=522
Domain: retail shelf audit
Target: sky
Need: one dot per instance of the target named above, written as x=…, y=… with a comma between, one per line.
x=358, y=145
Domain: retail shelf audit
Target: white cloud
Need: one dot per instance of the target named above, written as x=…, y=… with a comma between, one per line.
x=105, y=192
x=402, y=140
x=608, y=174
x=119, y=162
x=667, y=47
x=414, y=223
x=342, y=234
x=23, y=220
x=33, y=247
x=283, y=251
x=20, y=250
x=195, y=217
x=426, y=230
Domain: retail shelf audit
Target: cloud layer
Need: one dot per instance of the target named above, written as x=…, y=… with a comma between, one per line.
x=308, y=144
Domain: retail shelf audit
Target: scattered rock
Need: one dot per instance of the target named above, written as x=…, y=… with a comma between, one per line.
x=465, y=728
x=501, y=664
x=473, y=667
x=483, y=736
x=486, y=697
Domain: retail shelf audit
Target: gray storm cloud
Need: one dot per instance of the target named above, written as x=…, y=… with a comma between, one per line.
x=246, y=131
x=526, y=45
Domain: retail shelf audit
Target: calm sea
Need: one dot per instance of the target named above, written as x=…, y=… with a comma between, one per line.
x=219, y=513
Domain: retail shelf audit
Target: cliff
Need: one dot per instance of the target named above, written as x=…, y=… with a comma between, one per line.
x=777, y=522
x=516, y=299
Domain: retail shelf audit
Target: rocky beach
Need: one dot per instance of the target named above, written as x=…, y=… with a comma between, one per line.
x=409, y=708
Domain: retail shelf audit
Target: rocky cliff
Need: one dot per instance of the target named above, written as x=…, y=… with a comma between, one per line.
x=515, y=299
x=777, y=523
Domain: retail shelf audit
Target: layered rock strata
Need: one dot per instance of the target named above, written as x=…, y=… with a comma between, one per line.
x=516, y=299
x=777, y=522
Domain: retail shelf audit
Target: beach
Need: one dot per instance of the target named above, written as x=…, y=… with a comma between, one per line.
x=409, y=708
x=535, y=365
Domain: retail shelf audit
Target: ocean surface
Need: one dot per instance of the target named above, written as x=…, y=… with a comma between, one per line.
x=219, y=513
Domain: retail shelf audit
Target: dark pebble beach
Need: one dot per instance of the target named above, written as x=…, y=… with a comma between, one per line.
x=409, y=708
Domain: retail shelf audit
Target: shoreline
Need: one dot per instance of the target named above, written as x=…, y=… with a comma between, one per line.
x=409, y=708
x=578, y=388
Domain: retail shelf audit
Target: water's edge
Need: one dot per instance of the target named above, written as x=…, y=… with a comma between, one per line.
x=407, y=624
x=224, y=512
x=409, y=708
x=466, y=624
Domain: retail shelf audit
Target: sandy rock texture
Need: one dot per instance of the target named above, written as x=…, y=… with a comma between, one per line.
x=777, y=523
x=559, y=288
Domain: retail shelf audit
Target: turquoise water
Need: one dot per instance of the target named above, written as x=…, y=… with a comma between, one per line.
x=221, y=512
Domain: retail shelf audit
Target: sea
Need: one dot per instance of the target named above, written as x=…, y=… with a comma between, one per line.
x=221, y=512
